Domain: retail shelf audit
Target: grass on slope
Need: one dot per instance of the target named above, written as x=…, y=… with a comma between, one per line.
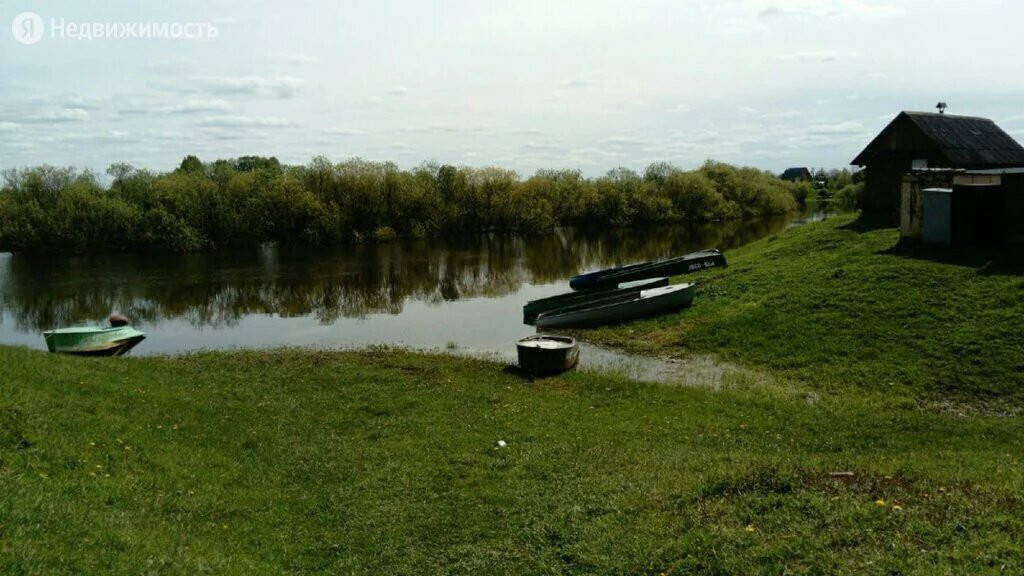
x=838, y=304
x=386, y=462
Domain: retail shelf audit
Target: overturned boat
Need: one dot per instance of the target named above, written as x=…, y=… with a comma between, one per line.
x=650, y=302
x=685, y=264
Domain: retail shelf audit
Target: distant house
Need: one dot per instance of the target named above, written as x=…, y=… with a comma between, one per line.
x=924, y=140
x=796, y=175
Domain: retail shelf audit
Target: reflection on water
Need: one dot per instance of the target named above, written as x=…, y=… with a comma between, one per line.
x=467, y=291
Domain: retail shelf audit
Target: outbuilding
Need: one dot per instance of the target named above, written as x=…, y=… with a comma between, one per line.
x=963, y=207
x=918, y=141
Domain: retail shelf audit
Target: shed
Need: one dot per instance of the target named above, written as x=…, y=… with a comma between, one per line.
x=920, y=140
x=963, y=207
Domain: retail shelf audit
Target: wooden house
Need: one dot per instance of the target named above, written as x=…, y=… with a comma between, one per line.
x=924, y=140
x=796, y=175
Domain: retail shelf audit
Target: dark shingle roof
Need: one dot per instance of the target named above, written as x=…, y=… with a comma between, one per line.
x=795, y=174
x=965, y=141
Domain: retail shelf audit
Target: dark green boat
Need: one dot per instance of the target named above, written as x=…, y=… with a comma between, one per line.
x=651, y=302
x=534, y=308
x=685, y=264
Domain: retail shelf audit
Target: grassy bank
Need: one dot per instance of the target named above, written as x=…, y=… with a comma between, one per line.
x=387, y=462
x=839, y=305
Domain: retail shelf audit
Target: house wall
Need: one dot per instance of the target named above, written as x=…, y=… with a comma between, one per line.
x=1013, y=208
x=893, y=158
x=911, y=209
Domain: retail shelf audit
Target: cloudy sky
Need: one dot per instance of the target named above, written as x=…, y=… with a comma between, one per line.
x=524, y=84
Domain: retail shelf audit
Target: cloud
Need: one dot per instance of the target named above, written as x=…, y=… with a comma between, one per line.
x=574, y=83
x=786, y=115
x=173, y=65
x=623, y=142
x=9, y=126
x=112, y=136
x=822, y=56
x=57, y=116
x=80, y=103
x=747, y=16
x=283, y=87
x=847, y=127
x=245, y=122
x=856, y=9
x=539, y=146
x=300, y=59
x=280, y=87
x=193, y=106
x=344, y=132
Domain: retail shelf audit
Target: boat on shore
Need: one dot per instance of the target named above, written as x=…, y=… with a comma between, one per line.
x=547, y=354
x=650, y=302
x=115, y=340
x=534, y=308
x=685, y=264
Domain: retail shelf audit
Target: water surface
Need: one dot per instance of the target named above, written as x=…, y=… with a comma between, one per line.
x=462, y=294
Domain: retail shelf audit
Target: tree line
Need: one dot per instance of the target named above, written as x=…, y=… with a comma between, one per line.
x=251, y=200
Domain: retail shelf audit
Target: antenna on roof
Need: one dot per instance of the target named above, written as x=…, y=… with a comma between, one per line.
x=942, y=107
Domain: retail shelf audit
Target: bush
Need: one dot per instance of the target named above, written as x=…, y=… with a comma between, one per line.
x=848, y=197
x=245, y=201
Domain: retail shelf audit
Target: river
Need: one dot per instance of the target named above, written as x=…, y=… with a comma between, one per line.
x=463, y=295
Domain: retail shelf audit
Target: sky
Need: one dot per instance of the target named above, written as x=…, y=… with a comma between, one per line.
x=524, y=84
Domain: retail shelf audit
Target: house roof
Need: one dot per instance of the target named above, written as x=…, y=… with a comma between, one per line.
x=794, y=173
x=963, y=141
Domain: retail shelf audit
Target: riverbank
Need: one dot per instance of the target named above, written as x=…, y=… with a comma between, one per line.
x=860, y=436
x=388, y=462
x=838, y=305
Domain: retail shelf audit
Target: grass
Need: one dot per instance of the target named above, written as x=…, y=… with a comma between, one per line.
x=839, y=305
x=384, y=461
x=899, y=367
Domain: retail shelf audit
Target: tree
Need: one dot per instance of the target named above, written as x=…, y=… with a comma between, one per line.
x=191, y=165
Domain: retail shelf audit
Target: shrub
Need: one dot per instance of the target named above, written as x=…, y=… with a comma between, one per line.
x=245, y=201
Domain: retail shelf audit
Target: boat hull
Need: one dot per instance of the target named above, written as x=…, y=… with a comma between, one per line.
x=685, y=264
x=93, y=341
x=649, y=303
x=547, y=354
x=535, y=308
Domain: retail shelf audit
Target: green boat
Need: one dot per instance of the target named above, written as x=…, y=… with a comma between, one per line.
x=534, y=308
x=652, y=302
x=93, y=340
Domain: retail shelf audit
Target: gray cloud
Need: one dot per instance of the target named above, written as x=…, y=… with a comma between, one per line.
x=60, y=116
x=847, y=127
x=191, y=106
x=245, y=122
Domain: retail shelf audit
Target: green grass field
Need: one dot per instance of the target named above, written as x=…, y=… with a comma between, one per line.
x=840, y=306
x=387, y=462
